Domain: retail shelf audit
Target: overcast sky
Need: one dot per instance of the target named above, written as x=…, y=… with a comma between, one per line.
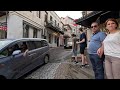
x=72, y=14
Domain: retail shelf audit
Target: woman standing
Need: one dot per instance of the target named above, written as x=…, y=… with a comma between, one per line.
x=112, y=49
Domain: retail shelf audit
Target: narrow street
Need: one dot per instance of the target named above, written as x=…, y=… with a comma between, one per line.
x=61, y=67
x=58, y=55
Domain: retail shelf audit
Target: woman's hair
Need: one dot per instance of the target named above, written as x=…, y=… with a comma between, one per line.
x=112, y=19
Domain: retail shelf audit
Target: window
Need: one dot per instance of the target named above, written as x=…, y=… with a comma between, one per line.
x=46, y=16
x=55, y=39
x=50, y=18
x=3, y=33
x=25, y=31
x=44, y=43
x=9, y=50
x=49, y=38
x=74, y=30
x=4, y=53
x=31, y=45
x=35, y=33
x=38, y=44
x=22, y=46
x=38, y=13
x=58, y=24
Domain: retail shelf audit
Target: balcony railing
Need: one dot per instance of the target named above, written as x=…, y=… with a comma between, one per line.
x=53, y=25
x=88, y=16
x=92, y=13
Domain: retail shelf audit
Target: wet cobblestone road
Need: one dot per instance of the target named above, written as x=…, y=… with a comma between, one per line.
x=61, y=67
x=47, y=71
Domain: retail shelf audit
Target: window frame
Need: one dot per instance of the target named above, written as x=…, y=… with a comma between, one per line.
x=35, y=32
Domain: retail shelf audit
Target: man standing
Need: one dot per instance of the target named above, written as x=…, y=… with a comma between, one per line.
x=96, y=57
x=83, y=45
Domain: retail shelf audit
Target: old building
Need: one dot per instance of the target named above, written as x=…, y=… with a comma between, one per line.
x=70, y=27
x=32, y=24
x=54, y=28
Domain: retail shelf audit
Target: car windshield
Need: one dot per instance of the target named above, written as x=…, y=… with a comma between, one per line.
x=4, y=43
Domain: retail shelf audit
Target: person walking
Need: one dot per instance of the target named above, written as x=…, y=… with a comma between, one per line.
x=74, y=47
x=96, y=57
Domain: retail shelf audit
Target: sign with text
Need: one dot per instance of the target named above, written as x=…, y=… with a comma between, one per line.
x=3, y=26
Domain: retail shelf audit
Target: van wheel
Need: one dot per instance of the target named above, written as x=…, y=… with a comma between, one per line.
x=46, y=59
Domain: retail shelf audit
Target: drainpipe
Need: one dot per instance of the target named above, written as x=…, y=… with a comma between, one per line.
x=6, y=23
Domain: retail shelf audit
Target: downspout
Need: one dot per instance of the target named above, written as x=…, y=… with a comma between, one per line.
x=6, y=24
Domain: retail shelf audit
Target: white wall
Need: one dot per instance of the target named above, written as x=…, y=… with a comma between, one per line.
x=30, y=32
x=29, y=17
x=58, y=20
x=39, y=34
x=55, y=17
x=15, y=27
x=15, y=21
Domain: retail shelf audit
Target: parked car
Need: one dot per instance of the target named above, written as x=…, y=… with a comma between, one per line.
x=69, y=45
x=19, y=56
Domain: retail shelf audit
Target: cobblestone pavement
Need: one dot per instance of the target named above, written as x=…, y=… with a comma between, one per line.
x=47, y=71
x=44, y=72
x=61, y=67
x=70, y=70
